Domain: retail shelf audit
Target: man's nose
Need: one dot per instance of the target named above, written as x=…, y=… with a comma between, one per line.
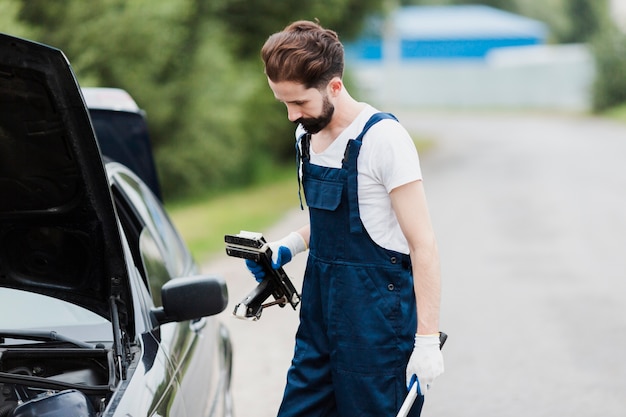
x=293, y=114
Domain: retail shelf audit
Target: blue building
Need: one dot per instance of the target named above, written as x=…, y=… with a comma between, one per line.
x=467, y=56
x=444, y=32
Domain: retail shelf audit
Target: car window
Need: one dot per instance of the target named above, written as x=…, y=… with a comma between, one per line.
x=158, y=245
x=123, y=136
x=154, y=265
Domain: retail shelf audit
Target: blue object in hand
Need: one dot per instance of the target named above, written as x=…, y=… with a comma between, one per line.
x=279, y=258
x=256, y=269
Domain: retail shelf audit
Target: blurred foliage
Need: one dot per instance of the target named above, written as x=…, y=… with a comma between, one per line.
x=584, y=20
x=609, y=48
x=592, y=23
x=193, y=66
x=9, y=19
x=251, y=22
x=172, y=56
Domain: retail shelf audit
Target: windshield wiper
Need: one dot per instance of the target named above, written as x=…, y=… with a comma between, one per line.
x=42, y=336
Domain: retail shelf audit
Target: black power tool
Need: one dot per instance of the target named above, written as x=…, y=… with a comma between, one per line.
x=276, y=283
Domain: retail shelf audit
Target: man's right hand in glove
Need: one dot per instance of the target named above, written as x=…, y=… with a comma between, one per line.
x=283, y=251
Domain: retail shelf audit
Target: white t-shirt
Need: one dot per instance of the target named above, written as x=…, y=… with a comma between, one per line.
x=388, y=159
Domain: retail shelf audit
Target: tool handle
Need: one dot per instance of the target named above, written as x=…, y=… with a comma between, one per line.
x=281, y=279
x=251, y=307
x=442, y=339
x=408, y=401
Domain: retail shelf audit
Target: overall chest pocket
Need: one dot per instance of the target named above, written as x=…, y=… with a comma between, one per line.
x=323, y=194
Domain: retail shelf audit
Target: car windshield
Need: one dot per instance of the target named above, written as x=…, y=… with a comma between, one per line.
x=27, y=310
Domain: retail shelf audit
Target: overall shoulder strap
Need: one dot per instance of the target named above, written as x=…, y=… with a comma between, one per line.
x=302, y=154
x=349, y=163
x=375, y=118
x=354, y=145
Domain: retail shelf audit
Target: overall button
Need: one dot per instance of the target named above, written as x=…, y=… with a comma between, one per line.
x=390, y=287
x=393, y=260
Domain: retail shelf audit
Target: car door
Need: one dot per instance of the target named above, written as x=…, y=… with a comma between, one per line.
x=195, y=349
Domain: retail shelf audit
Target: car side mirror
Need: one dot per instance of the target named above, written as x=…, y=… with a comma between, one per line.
x=190, y=298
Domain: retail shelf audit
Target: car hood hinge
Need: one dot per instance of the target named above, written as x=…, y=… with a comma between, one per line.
x=120, y=339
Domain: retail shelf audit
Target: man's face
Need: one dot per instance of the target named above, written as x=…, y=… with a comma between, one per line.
x=307, y=106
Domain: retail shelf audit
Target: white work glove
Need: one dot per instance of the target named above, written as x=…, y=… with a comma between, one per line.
x=425, y=363
x=283, y=251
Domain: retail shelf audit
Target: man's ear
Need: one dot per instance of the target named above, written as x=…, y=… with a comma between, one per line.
x=335, y=85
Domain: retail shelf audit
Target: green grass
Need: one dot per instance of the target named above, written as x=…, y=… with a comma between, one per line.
x=617, y=113
x=203, y=221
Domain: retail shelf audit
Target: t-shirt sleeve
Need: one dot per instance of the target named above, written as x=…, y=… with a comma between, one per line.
x=394, y=158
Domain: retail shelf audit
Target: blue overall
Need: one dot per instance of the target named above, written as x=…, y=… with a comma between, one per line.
x=358, y=314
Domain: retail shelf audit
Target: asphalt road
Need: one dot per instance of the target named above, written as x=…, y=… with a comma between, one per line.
x=530, y=214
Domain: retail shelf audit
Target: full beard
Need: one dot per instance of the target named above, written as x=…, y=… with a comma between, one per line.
x=315, y=124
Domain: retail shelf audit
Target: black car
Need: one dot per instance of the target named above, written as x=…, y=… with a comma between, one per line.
x=103, y=311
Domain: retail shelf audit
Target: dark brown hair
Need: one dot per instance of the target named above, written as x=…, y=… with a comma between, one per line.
x=303, y=52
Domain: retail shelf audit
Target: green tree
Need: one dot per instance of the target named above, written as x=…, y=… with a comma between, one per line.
x=194, y=66
x=609, y=48
x=173, y=58
x=584, y=21
x=251, y=22
x=9, y=19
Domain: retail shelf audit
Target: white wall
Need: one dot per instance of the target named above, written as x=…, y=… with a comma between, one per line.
x=537, y=77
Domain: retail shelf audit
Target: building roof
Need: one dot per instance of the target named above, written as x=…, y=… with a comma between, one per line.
x=465, y=22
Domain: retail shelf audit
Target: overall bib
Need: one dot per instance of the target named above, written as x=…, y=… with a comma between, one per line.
x=357, y=315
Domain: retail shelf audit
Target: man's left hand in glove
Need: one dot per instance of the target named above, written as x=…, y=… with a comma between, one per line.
x=425, y=363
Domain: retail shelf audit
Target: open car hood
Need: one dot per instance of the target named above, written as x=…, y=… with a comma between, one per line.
x=58, y=229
